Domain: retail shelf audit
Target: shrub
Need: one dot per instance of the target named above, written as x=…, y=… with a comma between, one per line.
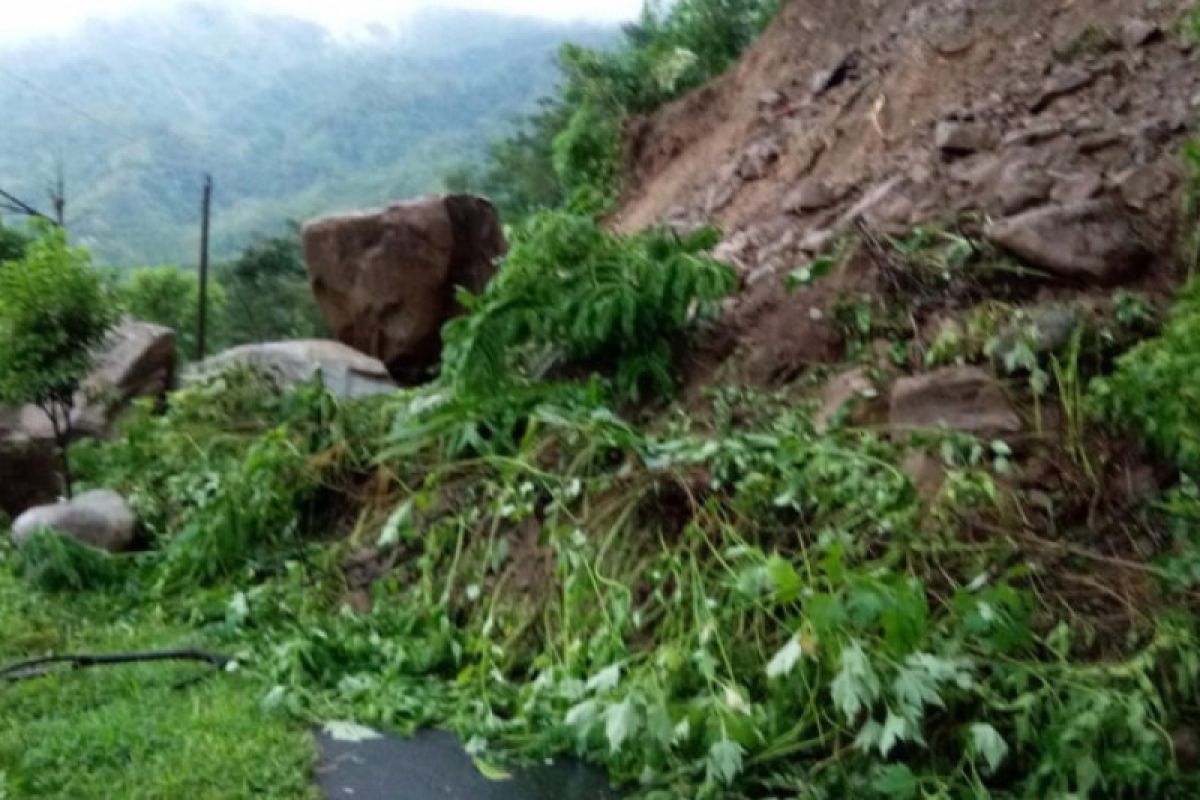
x=574, y=296
x=1156, y=387
x=54, y=311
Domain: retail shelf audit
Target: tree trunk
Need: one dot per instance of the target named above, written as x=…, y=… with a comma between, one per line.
x=62, y=440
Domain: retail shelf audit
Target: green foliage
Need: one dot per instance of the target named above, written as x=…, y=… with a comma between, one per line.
x=12, y=243
x=570, y=148
x=267, y=295
x=54, y=310
x=148, y=732
x=1191, y=197
x=1189, y=26
x=170, y=296
x=57, y=563
x=1156, y=386
x=572, y=296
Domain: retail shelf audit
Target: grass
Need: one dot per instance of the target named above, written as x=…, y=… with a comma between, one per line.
x=138, y=732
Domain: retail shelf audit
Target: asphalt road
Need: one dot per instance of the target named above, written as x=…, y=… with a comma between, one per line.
x=434, y=766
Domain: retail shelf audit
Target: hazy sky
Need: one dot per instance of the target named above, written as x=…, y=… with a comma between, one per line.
x=22, y=19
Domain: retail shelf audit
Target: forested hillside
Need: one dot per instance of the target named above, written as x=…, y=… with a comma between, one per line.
x=290, y=120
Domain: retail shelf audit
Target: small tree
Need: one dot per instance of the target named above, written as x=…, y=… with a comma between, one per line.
x=54, y=312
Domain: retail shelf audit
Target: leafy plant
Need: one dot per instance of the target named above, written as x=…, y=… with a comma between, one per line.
x=572, y=296
x=1156, y=386
x=55, y=310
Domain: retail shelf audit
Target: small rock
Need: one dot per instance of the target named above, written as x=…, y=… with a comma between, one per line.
x=841, y=391
x=1034, y=135
x=1047, y=329
x=1020, y=186
x=960, y=138
x=758, y=159
x=1101, y=140
x=1078, y=187
x=811, y=194
x=719, y=196
x=1064, y=81
x=927, y=474
x=826, y=80
x=1137, y=32
x=771, y=101
x=1141, y=186
x=964, y=399
x=1096, y=241
x=100, y=519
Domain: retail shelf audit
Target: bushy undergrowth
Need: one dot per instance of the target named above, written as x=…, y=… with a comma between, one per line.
x=574, y=296
x=1156, y=387
x=740, y=608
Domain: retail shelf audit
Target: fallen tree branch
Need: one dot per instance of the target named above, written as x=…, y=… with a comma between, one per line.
x=41, y=667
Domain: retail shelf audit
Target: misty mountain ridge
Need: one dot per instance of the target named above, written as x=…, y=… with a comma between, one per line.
x=291, y=119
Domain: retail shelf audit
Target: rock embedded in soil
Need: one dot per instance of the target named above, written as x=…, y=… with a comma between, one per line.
x=1045, y=329
x=841, y=393
x=965, y=399
x=954, y=137
x=385, y=280
x=1137, y=32
x=100, y=519
x=1092, y=242
x=1062, y=82
x=810, y=194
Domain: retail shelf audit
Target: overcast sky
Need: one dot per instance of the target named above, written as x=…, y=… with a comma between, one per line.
x=20, y=20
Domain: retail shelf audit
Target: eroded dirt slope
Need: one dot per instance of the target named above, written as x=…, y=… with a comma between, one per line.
x=898, y=112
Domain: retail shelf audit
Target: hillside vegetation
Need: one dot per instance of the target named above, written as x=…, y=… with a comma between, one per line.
x=574, y=541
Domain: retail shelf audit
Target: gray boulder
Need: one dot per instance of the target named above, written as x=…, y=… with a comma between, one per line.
x=964, y=399
x=347, y=373
x=1091, y=242
x=100, y=519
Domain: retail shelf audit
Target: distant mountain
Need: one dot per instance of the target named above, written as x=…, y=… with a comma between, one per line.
x=290, y=120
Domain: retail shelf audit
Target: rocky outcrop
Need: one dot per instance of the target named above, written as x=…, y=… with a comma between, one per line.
x=1092, y=242
x=386, y=280
x=963, y=399
x=28, y=473
x=100, y=519
x=344, y=371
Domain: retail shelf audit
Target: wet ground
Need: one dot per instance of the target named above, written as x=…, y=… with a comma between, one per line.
x=434, y=766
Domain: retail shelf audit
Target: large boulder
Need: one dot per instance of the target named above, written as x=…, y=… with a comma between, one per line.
x=343, y=370
x=386, y=280
x=1091, y=242
x=100, y=519
x=28, y=473
x=964, y=399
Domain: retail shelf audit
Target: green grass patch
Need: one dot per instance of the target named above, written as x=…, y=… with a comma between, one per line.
x=142, y=731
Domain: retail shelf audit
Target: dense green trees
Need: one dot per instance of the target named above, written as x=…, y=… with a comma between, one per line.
x=570, y=147
x=12, y=243
x=261, y=296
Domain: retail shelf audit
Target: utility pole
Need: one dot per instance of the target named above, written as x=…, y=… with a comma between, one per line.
x=58, y=196
x=205, y=212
